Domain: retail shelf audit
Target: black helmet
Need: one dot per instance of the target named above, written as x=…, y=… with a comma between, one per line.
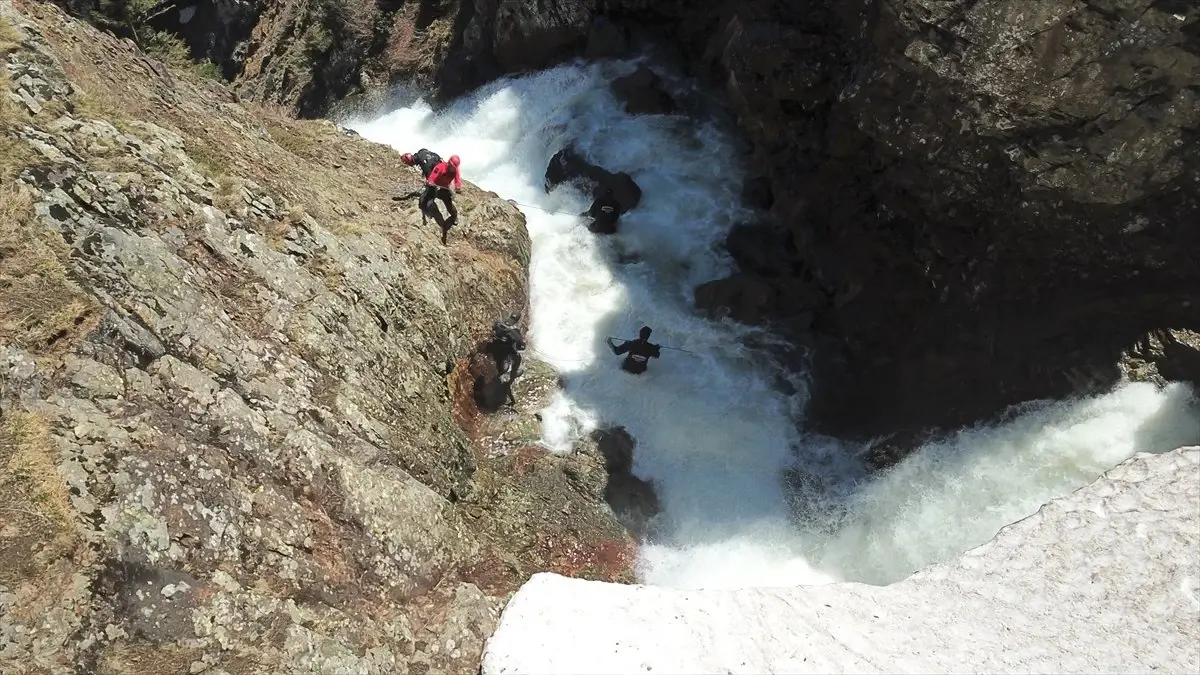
x=644, y=333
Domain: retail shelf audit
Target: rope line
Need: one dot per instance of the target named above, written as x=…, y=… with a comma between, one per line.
x=542, y=208
x=676, y=349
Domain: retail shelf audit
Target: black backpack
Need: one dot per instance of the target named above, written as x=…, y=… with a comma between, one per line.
x=426, y=159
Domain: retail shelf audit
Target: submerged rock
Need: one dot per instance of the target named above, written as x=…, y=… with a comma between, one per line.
x=568, y=166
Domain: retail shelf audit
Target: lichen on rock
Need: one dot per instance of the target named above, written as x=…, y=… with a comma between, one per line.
x=234, y=442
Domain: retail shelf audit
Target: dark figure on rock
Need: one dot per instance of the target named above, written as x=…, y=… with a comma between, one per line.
x=437, y=185
x=638, y=352
x=507, y=345
x=425, y=159
x=604, y=212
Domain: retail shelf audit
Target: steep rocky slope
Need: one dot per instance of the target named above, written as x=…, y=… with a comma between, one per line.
x=237, y=432
x=970, y=204
x=1102, y=580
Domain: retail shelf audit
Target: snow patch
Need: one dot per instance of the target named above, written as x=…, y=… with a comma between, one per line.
x=1103, y=579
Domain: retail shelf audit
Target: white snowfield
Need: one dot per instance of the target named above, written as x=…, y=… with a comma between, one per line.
x=1106, y=579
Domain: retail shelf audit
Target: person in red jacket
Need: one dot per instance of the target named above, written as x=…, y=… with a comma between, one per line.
x=437, y=185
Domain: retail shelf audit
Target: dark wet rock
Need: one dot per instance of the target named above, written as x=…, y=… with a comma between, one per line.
x=616, y=447
x=744, y=297
x=527, y=34
x=756, y=193
x=643, y=93
x=763, y=249
x=1164, y=356
x=1009, y=250
x=568, y=166
x=751, y=298
x=606, y=39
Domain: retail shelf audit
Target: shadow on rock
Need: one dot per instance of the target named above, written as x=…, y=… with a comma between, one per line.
x=489, y=390
x=632, y=499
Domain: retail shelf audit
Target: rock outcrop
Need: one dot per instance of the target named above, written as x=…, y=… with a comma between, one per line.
x=568, y=166
x=989, y=193
x=1119, y=559
x=232, y=435
x=980, y=203
x=642, y=93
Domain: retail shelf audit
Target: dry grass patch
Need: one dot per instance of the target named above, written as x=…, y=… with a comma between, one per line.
x=10, y=39
x=36, y=517
x=298, y=138
x=210, y=163
x=228, y=195
x=410, y=51
x=145, y=659
x=41, y=310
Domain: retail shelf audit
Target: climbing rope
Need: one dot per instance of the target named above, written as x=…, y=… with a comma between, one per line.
x=540, y=208
x=674, y=349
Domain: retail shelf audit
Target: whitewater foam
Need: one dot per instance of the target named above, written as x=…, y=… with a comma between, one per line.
x=712, y=433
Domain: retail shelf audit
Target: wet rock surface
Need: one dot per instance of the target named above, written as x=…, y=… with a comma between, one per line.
x=568, y=166
x=235, y=444
x=984, y=192
x=642, y=92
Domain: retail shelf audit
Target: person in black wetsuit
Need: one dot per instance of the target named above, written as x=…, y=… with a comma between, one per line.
x=424, y=158
x=507, y=345
x=638, y=351
x=604, y=213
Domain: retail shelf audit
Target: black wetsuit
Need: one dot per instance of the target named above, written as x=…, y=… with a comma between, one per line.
x=604, y=212
x=639, y=352
x=507, y=344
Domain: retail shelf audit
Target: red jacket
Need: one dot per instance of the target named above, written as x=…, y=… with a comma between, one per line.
x=443, y=173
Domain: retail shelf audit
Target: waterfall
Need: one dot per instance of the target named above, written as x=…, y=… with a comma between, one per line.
x=712, y=433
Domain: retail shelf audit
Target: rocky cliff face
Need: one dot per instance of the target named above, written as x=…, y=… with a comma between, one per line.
x=234, y=434
x=968, y=204
x=993, y=196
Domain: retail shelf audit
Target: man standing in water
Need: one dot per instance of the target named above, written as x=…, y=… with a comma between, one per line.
x=639, y=351
x=437, y=184
x=604, y=212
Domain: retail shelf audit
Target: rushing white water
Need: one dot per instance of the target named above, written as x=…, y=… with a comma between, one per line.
x=711, y=432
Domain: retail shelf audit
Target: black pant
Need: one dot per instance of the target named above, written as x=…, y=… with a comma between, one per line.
x=508, y=359
x=629, y=365
x=444, y=194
